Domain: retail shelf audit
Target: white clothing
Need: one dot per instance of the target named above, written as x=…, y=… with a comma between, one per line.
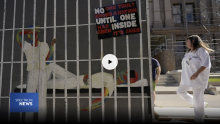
x=37, y=79
x=197, y=100
x=40, y=53
x=37, y=82
x=60, y=77
x=191, y=63
x=96, y=78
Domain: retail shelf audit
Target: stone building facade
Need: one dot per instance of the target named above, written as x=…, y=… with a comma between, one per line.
x=182, y=18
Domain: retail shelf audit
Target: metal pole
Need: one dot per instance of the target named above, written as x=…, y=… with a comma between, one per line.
x=115, y=80
x=141, y=63
x=102, y=80
x=54, y=60
x=90, y=75
x=3, y=38
x=128, y=78
x=12, y=59
x=149, y=60
x=66, y=66
x=77, y=56
x=22, y=47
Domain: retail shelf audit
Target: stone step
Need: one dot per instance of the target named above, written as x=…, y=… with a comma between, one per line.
x=166, y=78
x=218, y=89
x=174, y=92
x=214, y=76
x=173, y=89
x=167, y=84
x=163, y=75
x=215, y=83
x=167, y=81
x=214, y=73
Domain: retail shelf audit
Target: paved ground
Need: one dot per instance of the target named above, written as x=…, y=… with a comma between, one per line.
x=167, y=97
x=173, y=100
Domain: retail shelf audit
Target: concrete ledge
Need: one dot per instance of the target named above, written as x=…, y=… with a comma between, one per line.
x=176, y=74
x=172, y=90
x=186, y=114
x=214, y=83
x=167, y=84
x=214, y=76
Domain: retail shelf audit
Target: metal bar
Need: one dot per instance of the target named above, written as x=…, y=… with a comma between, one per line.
x=85, y=97
x=60, y=26
x=22, y=47
x=45, y=32
x=128, y=78
x=149, y=60
x=103, y=109
x=12, y=58
x=65, y=36
x=115, y=80
x=76, y=60
x=117, y=86
x=90, y=75
x=54, y=60
x=3, y=38
x=77, y=63
x=44, y=76
x=33, y=54
x=141, y=64
x=170, y=45
x=33, y=48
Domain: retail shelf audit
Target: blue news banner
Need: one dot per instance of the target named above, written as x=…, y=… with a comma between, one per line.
x=24, y=102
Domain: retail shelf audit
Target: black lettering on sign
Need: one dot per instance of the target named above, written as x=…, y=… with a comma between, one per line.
x=117, y=20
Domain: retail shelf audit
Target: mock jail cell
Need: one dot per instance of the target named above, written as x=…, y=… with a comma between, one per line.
x=51, y=47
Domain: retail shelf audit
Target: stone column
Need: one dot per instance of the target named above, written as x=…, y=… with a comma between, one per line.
x=168, y=14
x=157, y=20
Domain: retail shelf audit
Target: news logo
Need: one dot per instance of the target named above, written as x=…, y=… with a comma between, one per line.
x=24, y=102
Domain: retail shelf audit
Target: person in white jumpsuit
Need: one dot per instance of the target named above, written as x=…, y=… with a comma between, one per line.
x=39, y=71
x=195, y=74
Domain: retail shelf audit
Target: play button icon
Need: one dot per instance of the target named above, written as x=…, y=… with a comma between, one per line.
x=109, y=61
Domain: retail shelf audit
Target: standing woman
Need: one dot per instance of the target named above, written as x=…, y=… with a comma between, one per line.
x=195, y=74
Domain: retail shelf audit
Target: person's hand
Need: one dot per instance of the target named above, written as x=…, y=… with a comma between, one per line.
x=194, y=76
x=37, y=29
x=54, y=41
x=156, y=79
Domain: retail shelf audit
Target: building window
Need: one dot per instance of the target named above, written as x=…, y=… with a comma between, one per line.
x=177, y=13
x=189, y=13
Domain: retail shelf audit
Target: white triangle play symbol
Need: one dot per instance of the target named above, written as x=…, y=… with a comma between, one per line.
x=109, y=61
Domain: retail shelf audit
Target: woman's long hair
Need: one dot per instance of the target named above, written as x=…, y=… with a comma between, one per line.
x=198, y=43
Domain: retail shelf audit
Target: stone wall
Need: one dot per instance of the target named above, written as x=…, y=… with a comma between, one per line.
x=167, y=60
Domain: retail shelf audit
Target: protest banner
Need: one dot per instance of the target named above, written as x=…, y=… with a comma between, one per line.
x=117, y=20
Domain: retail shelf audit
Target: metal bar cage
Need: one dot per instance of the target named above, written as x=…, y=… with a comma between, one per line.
x=76, y=57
